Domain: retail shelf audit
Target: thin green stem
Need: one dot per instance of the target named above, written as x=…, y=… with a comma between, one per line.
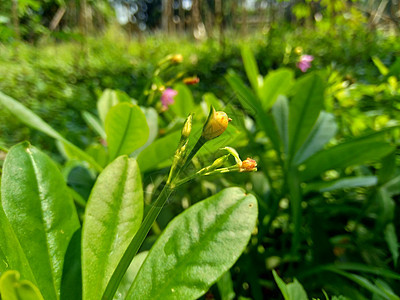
x=136, y=243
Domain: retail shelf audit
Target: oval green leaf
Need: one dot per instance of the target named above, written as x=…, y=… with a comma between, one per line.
x=197, y=247
x=37, y=204
x=113, y=215
x=126, y=128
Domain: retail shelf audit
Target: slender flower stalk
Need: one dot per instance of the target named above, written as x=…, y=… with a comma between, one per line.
x=215, y=125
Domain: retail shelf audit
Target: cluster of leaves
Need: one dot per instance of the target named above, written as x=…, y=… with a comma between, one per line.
x=327, y=187
x=71, y=251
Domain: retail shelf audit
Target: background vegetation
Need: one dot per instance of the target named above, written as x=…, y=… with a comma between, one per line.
x=336, y=228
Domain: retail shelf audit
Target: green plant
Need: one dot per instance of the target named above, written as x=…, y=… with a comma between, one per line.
x=112, y=229
x=307, y=166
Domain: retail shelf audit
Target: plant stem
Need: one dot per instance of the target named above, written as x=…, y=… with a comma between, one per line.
x=136, y=242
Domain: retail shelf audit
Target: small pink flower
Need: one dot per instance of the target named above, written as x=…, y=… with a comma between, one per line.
x=167, y=97
x=305, y=62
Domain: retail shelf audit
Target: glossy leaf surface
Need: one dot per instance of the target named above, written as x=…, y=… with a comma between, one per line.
x=113, y=215
x=197, y=247
x=37, y=204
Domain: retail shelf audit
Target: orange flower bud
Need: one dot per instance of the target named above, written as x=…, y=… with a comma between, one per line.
x=248, y=165
x=191, y=80
x=215, y=125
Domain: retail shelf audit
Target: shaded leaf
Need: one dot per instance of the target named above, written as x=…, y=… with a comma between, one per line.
x=280, y=111
x=357, y=151
x=304, y=109
x=225, y=286
x=323, y=131
x=250, y=66
x=392, y=242
x=342, y=183
x=130, y=275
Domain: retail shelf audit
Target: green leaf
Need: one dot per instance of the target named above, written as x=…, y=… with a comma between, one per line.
x=225, y=286
x=130, y=276
x=183, y=101
x=354, y=152
x=253, y=107
x=71, y=282
x=304, y=109
x=152, y=121
x=107, y=100
x=211, y=100
x=12, y=255
x=281, y=284
x=275, y=83
x=37, y=204
x=388, y=169
x=342, y=183
x=323, y=131
x=93, y=122
x=250, y=66
x=378, y=271
x=280, y=112
x=365, y=283
x=159, y=151
x=379, y=64
x=386, y=208
x=12, y=288
x=392, y=242
x=197, y=247
x=126, y=129
x=113, y=215
x=29, y=118
x=296, y=291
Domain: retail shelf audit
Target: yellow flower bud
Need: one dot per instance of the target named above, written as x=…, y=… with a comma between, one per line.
x=187, y=127
x=177, y=58
x=215, y=125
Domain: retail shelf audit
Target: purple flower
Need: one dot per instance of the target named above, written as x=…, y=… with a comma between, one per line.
x=305, y=62
x=167, y=97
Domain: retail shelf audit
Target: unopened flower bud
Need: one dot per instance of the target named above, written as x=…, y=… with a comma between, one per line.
x=248, y=165
x=187, y=127
x=177, y=58
x=191, y=80
x=215, y=125
x=219, y=161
